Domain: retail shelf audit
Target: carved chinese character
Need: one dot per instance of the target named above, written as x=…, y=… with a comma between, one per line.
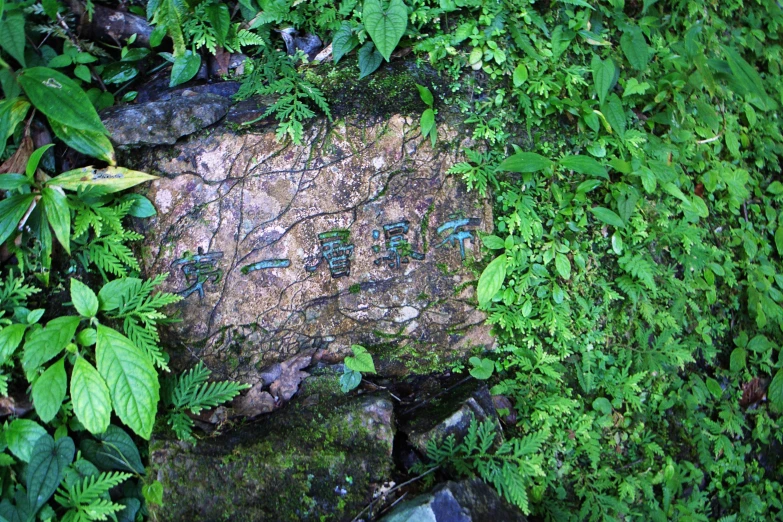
x=456, y=232
x=398, y=248
x=199, y=269
x=266, y=264
x=336, y=251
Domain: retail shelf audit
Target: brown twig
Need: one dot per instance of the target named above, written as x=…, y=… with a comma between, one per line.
x=392, y=490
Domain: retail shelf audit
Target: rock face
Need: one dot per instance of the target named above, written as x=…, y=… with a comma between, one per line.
x=356, y=237
x=319, y=457
x=466, y=501
x=163, y=122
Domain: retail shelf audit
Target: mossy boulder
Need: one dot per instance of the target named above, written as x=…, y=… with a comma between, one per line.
x=317, y=459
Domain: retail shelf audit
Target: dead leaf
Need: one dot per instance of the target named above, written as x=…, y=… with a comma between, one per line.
x=255, y=402
x=18, y=162
x=290, y=376
x=753, y=392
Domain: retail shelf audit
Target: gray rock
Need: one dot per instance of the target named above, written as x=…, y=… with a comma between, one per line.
x=163, y=122
x=465, y=501
x=356, y=237
x=315, y=458
x=439, y=420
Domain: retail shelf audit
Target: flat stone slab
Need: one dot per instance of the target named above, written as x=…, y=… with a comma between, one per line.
x=356, y=237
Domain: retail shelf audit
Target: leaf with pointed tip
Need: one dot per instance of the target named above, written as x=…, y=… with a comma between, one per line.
x=49, y=391
x=90, y=396
x=385, y=27
x=47, y=467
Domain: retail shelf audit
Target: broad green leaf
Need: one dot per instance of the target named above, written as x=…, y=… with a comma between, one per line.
x=21, y=436
x=142, y=206
x=153, y=493
x=776, y=188
x=93, y=144
x=603, y=405
x=426, y=95
x=714, y=387
x=563, y=265
x=493, y=242
x=607, y=216
x=10, y=337
x=12, y=37
x=185, y=67
x=132, y=379
x=635, y=48
x=748, y=77
x=56, y=205
x=350, y=380
x=520, y=75
x=110, y=179
x=588, y=185
x=525, y=162
x=87, y=337
x=649, y=181
x=49, y=391
x=427, y=122
x=11, y=211
x=491, y=280
x=84, y=299
x=369, y=60
x=615, y=114
x=603, y=76
x=12, y=112
x=13, y=181
x=482, y=368
x=47, y=467
x=779, y=239
x=775, y=391
x=90, y=396
x=361, y=360
x=344, y=41
x=385, y=27
x=113, y=451
x=35, y=159
x=584, y=165
x=737, y=359
x=60, y=99
x=111, y=293
x=220, y=19
x=132, y=507
x=44, y=344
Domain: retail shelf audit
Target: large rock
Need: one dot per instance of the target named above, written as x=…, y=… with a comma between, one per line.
x=164, y=122
x=466, y=501
x=356, y=237
x=321, y=458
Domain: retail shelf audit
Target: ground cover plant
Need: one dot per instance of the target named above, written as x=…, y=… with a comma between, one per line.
x=632, y=151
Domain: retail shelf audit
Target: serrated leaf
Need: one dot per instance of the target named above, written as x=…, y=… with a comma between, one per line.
x=525, y=162
x=132, y=379
x=12, y=37
x=607, y=216
x=90, y=397
x=361, y=361
x=110, y=179
x=184, y=68
x=10, y=337
x=60, y=99
x=563, y=266
x=635, y=48
x=59, y=215
x=84, y=299
x=46, y=468
x=21, y=436
x=491, y=280
x=49, y=391
x=369, y=60
x=114, y=451
x=92, y=144
x=385, y=27
x=603, y=76
x=45, y=344
x=584, y=165
x=344, y=41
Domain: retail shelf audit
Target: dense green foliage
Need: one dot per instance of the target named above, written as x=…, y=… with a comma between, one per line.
x=633, y=153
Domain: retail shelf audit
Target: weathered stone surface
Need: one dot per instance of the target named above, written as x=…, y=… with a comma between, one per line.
x=357, y=237
x=320, y=457
x=163, y=122
x=452, y=416
x=465, y=501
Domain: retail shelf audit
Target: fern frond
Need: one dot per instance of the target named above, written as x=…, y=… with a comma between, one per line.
x=89, y=491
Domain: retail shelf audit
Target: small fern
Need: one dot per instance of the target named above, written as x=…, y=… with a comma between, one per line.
x=14, y=292
x=509, y=466
x=193, y=392
x=86, y=500
x=277, y=75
